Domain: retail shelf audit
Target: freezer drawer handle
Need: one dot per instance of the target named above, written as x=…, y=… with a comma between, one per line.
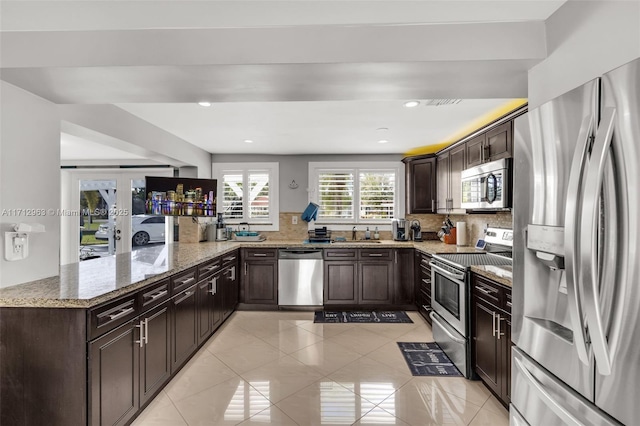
x=544, y=395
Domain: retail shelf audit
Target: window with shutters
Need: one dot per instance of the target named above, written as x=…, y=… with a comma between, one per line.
x=249, y=194
x=347, y=193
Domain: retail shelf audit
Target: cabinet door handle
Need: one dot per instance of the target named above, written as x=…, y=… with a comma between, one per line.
x=214, y=286
x=375, y=254
x=509, y=304
x=259, y=255
x=122, y=313
x=146, y=331
x=232, y=273
x=229, y=259
x=433, y=205
x=493, y=324
x=212, y=268
x=246, y=268
x=498, y=332
x=141, y=327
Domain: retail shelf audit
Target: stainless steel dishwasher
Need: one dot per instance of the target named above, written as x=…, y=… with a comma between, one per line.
x=300, y=277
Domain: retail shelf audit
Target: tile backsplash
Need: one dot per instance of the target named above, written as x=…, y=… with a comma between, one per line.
x=428, y=222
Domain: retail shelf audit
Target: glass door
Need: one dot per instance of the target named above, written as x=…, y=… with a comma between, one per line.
x=103, y=213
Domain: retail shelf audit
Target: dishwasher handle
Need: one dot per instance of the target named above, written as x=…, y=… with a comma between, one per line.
x=300, y=254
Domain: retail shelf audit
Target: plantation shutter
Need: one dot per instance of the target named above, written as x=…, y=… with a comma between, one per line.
x=259, y=195
x=232, y=195
x=377, y=194
x=336, y=195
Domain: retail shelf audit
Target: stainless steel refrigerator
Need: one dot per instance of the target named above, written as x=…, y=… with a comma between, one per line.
x=576, y=283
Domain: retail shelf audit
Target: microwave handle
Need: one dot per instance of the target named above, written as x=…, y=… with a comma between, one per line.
x=485, y=188
x=495, y=188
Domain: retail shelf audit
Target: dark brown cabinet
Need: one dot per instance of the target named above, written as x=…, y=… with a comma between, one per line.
x=449, y=167
x=340, y=282
x=366, y=279
x=114, y=376
x=259, y=277
x=404, y=293
x=184, y=326
x=155, y=352
x=420, y=174
x=423, y=284
x=375, y=282
x=204, y=299
x=491, y=335
x=491, y=145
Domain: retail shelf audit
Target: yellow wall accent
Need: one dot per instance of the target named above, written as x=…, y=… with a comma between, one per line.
x=469, y=128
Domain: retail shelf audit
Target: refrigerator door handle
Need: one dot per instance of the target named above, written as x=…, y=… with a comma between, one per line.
x=575, y=189
x=548, y=399
x=589, y=242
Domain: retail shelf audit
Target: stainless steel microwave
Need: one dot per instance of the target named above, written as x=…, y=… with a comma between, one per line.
x=487, y=186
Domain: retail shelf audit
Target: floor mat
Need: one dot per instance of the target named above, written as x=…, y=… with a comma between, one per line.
x=361, y=317
x=427, y=359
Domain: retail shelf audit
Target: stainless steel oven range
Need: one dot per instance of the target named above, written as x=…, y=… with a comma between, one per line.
x=450, y=294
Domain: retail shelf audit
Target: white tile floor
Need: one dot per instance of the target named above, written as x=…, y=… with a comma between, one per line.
x=280, y=368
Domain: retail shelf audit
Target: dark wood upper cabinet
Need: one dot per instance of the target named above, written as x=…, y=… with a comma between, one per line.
x=420, y=176
x=475, y=151
x=450, y=164
x=491, y=145
x=500, y=141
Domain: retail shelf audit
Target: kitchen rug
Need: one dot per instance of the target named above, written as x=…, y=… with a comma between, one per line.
x=361, y=317
x=427, y=359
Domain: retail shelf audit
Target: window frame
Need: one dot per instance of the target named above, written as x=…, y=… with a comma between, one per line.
x=315, y=168
x=273, y=222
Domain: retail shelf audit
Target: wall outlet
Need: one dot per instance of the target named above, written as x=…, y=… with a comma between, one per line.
x=16, y=246
x=294, y=220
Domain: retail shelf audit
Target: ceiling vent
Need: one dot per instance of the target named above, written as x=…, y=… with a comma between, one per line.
x=440, y=102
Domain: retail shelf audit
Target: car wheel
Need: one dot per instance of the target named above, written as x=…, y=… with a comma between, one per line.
x=140, y=238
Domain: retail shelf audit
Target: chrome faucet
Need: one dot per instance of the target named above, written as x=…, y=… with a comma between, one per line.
x=353, y=233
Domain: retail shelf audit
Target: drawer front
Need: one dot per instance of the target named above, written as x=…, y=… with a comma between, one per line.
x=373, y=254
x=154, y=295
x=507, y=301
x=206, y=269
x=337, y=254
x=489, y=291
x=232, y=257
x=260, y=254
x=183, y=280
x=111, y=315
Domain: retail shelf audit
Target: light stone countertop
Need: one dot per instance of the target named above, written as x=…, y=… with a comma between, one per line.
x=90, y=283
x=500, y=274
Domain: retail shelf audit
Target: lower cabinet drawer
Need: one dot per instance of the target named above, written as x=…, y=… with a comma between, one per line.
x=107, y=317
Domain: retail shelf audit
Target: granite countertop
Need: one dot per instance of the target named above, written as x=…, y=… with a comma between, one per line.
x=90, y=283
x=500, y=274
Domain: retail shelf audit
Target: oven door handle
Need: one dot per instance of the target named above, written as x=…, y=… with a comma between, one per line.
x=444, y=328
x=453, y=276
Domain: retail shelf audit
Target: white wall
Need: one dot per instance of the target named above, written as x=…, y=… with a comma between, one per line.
x=584, y=40
x=296, y=167
x=29, y=176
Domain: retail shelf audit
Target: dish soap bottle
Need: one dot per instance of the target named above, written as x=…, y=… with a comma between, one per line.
x=376, y=234
x=367, y=234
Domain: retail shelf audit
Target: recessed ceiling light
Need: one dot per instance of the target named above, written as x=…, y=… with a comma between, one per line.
x=204, y=104
x=383, y=141
x=248, y=141
x=411, y=104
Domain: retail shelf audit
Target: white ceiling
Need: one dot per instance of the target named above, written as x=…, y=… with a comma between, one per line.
x=295, y=77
